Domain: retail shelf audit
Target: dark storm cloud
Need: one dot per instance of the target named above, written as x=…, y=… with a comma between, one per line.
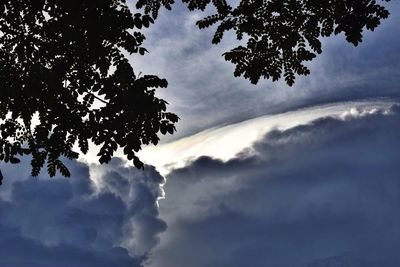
x=78, y=222
x=324, y=194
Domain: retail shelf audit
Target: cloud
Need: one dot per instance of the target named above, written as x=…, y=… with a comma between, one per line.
x=323, y=194
x=222, y=142
x=204, y=93
x=106, y=217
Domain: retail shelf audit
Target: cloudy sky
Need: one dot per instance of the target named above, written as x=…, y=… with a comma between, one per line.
x=264, y=175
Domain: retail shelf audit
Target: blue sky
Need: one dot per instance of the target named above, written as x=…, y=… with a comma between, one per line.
x=309, y=177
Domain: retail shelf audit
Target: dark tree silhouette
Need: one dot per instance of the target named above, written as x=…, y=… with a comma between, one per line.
x=281, y=35
x=65, y=63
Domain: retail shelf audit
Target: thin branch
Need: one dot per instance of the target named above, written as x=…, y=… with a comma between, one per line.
x=98, y=98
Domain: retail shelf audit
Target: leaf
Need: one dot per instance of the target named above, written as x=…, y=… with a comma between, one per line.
x=138, y=164
x=14, y=160
x=142, y=51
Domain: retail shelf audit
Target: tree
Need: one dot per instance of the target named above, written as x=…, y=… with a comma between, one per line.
x=65, y=62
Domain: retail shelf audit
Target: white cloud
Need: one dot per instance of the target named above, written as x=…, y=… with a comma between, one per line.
x=226, y=142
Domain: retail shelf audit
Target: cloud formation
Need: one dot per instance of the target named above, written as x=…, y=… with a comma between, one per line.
x=110, y=219
x=204, y=93
x=225, y=142
x=323, y=194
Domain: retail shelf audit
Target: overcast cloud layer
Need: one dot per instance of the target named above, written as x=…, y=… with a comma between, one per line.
x=325, y=194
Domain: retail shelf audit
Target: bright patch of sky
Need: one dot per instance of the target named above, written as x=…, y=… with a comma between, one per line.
x=226, y=142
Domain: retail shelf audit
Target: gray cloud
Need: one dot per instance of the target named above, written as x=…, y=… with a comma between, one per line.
x=107, y=220
x=324, y=194
x=203, y=91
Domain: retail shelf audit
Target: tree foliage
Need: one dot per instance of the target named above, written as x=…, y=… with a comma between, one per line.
x=58, y=58
x=66, y=63
x=282, y=35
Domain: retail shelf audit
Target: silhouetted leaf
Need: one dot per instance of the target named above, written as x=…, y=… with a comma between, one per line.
x=14, y=160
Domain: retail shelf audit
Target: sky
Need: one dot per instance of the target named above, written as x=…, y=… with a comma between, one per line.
x=265, y=175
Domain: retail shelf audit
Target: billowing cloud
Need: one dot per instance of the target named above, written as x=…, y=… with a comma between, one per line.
x=102, y=216
x=322, y=194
